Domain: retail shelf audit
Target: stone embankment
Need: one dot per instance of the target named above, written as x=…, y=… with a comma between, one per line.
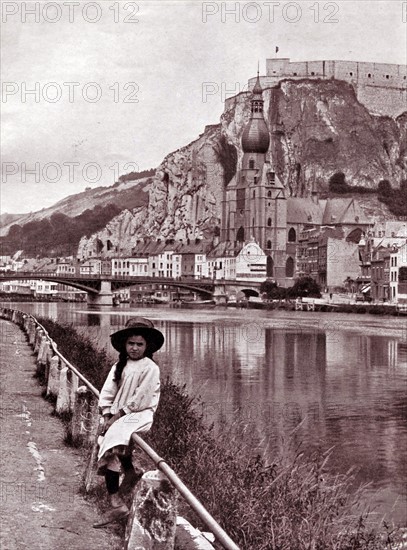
x=41, y=477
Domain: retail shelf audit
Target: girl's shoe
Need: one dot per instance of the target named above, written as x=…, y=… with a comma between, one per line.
x=114, y=514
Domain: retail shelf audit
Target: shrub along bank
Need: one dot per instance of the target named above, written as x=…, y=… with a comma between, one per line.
x=291, y=504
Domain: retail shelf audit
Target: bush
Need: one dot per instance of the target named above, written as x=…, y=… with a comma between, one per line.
x=304, y=287
x=337, y=183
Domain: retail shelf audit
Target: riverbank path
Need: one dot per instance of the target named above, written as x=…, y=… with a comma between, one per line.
x=40, y=476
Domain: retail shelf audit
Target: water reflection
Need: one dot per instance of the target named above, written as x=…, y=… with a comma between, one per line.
x=336, y=382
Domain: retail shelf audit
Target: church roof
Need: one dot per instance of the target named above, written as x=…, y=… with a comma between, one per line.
x=344, y=211
x=325, y=212
x=255, y=137
x=257, y=89
x=225, y=249
x=304, y=210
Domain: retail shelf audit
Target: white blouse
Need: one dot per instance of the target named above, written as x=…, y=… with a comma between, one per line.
x=138, y=389
x=137, y=394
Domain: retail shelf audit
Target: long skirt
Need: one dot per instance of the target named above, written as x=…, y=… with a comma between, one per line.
x=115, y=442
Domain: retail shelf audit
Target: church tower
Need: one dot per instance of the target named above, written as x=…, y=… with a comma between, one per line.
x=254, y=203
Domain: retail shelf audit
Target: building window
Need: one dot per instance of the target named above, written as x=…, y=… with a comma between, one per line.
x=270, y=267
x=240, y=235
x=292, y=236
x=254, y=194
x=268, y=245
x=255, y=180
x=271, y=177
x=269, y=222
x=387, y=76
x=312, y=73
x=251, y=164
x=351, y=74
x=269, y=195
x=369, y=75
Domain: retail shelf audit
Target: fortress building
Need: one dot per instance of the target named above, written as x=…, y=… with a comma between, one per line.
x=381, y=87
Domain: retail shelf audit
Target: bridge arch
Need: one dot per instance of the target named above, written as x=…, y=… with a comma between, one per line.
x=250, y=292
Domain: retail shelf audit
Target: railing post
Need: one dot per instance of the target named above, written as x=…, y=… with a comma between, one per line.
x=82, y=417
x=62, y=404
x=73, y=384
x=37, y=340
x=53, y=377
x=152, y=520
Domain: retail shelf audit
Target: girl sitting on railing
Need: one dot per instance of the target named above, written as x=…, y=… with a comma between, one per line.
x=128, y=401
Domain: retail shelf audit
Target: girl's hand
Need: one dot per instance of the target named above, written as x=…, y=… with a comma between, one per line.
x=112, y=420
x=103, y=423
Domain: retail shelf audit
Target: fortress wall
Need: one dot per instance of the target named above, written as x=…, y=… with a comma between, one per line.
x=383, y=74
x=383, y=101
x=381, y=87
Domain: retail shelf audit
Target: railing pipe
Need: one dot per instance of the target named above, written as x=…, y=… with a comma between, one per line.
x=198, y=508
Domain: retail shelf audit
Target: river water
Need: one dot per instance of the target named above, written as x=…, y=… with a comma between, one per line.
x=328, y=379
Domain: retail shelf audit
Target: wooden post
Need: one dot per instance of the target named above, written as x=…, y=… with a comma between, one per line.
x=152, y=519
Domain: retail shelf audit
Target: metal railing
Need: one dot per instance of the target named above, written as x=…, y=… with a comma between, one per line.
x=221, y=536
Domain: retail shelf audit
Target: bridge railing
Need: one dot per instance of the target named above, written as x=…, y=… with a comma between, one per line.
x=62, y=380
x=99, y=277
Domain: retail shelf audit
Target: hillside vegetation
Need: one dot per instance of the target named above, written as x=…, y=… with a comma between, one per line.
x=58, y=235
x=394, y=198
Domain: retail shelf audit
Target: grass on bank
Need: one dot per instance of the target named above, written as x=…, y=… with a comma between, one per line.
x=291, y=504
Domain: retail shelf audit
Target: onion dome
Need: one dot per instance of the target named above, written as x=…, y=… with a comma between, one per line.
x=255, y=137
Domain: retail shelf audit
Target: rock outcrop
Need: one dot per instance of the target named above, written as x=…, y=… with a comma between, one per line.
x=184, y=201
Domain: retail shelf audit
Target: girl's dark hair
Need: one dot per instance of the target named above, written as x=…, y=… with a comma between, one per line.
x=121, y=363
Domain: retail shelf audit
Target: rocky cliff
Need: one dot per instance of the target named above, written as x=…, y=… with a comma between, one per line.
x=317, y=128
x=184, y=201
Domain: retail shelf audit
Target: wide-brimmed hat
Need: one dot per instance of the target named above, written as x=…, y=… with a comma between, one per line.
x=142, y=326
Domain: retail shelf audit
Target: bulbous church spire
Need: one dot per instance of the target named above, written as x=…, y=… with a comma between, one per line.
x=255, y=137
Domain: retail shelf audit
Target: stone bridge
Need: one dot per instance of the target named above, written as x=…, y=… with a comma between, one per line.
x=99, y=288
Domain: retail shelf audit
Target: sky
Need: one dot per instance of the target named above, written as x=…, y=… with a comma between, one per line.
x=116, y=86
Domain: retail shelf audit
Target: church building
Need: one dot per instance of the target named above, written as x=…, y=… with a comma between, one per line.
x=254, y=202
x=255, y=207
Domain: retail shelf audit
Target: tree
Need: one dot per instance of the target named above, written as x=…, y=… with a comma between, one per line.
x=271, y=290
x=305, y=287
x=337, y=183
x=384, y=188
